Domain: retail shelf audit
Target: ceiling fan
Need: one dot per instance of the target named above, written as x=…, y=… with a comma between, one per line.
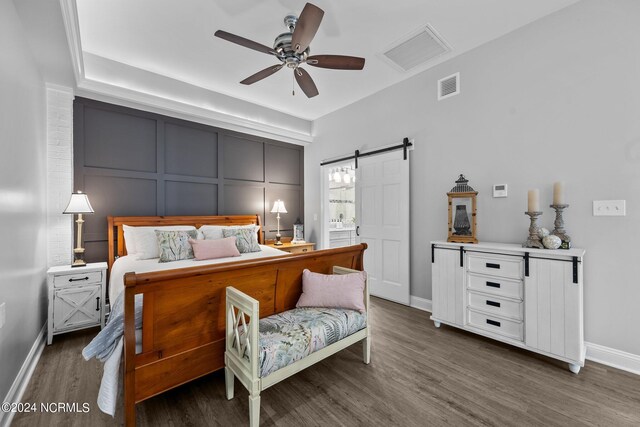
x=292, y=50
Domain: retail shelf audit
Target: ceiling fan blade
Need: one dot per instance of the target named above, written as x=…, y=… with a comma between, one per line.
x=336, y=62
x=306, y=82
x=306, y=28
x=262, y=74
x=244, y=42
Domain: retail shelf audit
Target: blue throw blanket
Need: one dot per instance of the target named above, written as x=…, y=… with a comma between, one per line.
x=103, y=345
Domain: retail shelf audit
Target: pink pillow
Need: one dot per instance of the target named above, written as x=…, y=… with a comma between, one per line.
x=333, y=290
x=213, y=249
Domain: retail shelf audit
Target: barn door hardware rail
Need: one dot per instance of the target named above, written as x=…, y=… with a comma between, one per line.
x=406, y=144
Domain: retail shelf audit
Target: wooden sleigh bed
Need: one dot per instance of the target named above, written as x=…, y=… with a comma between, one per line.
x=183, y=334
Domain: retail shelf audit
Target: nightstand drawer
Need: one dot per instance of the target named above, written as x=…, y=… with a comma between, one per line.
x=496, y=265
x=497, y=325
x=78, y=279
x=299, y=250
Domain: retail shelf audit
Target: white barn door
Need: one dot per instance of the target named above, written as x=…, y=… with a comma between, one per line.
x=382, y=217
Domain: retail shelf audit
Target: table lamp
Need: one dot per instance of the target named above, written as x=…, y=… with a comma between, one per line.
x=278, y=207
x=79, y=204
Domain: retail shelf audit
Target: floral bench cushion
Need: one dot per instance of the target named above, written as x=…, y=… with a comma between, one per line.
x=292, y=335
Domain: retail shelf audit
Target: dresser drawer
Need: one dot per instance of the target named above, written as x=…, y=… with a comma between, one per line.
x=78, y=279
x=495, y=286
x=497, y=325
x=495, y=265
x=495, y=305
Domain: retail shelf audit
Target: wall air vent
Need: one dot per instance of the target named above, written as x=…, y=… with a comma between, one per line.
x=449, y=86
x=415, y=49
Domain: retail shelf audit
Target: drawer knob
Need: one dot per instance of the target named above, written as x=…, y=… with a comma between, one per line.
x=493, y=265
x=78, y=280
x=493, y=284
x=304, y=250
x=493, y=303
x=493, y=322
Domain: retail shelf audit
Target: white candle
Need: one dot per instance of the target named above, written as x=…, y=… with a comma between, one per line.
x=558, y=193
x=534, y=200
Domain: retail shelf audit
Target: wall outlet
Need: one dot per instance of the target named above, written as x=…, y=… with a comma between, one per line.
x=609, y=208
x=3, y=314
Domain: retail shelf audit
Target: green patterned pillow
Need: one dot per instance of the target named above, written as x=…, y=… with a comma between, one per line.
x=174, y=245
x=246, y=239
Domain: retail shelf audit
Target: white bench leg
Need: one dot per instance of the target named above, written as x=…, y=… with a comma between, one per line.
x=254, y=410
x=366, y=350
x=229, y=379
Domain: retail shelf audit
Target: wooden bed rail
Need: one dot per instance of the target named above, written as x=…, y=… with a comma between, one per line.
x=183, y=334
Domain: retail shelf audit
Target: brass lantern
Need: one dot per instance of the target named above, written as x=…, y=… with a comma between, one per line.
x=462, y=212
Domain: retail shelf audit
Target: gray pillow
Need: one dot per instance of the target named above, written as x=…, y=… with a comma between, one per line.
x=246, y=239
x=174, y=245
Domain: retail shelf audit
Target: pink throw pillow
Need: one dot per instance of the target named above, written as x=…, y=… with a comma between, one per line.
x=213, y=249
x=333, y=290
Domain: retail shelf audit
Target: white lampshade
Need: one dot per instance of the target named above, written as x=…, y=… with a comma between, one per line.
x=278, y=207
x=78, y=204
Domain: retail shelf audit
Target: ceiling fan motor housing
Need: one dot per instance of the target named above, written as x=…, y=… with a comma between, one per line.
x=285, y=52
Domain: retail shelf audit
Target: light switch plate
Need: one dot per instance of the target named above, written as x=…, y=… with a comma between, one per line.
x=609, y=208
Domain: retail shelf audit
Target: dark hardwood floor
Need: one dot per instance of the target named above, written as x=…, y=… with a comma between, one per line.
x=418, y=376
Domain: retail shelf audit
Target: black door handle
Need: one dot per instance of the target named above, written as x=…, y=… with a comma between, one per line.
x=97, y=303
x=358, y=230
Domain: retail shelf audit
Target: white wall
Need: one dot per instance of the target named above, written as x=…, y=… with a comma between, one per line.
x=556, y=100
x=22, y=197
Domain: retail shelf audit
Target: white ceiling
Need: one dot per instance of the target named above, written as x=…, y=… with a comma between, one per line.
x=175, y=39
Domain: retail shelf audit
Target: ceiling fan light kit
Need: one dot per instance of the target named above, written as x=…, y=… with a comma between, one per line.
x=292, y=50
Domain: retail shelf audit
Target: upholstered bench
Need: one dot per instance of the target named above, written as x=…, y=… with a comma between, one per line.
x=261, y=354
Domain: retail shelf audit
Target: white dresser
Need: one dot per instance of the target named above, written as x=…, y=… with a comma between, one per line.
x=76, y=298
x=530, y=298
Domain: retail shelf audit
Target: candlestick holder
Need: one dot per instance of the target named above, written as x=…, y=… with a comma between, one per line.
x=534, y=239
x=559, y=226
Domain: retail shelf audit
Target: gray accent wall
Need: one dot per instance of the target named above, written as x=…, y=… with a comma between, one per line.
x=23, y=221
x=131, y=162
x=556, y=100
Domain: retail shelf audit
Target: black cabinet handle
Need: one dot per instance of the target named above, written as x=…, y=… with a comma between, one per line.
x=493, y=284
x=97, y=303
x=492, y=265
x=358, y=230
x=493, y=303
x=493, y=322
x=78, y=280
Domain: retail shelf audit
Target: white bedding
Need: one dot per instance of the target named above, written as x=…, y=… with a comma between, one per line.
x=108, y=394
x=130, y=263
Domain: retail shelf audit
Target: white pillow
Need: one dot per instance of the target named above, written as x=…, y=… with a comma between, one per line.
x=145, y=241
x=129, y=239
x=214, y=232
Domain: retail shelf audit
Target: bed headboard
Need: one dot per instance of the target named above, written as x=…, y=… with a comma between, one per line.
x=116, y=233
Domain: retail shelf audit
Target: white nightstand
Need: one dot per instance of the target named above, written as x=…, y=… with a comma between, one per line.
x=76, y=298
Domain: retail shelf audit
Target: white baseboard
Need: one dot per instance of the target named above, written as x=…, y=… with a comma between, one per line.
x=615, y=358
x=420, y=303
x=22, y=379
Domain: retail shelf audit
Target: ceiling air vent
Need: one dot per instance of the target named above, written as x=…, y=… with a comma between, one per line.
x=449, y=86
x=416, y=49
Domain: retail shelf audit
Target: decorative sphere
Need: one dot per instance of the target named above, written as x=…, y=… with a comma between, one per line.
x=551, y=242
x=542, y=232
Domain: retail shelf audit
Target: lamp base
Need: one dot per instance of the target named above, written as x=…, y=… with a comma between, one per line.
x=278, y=242
x=78, y=258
